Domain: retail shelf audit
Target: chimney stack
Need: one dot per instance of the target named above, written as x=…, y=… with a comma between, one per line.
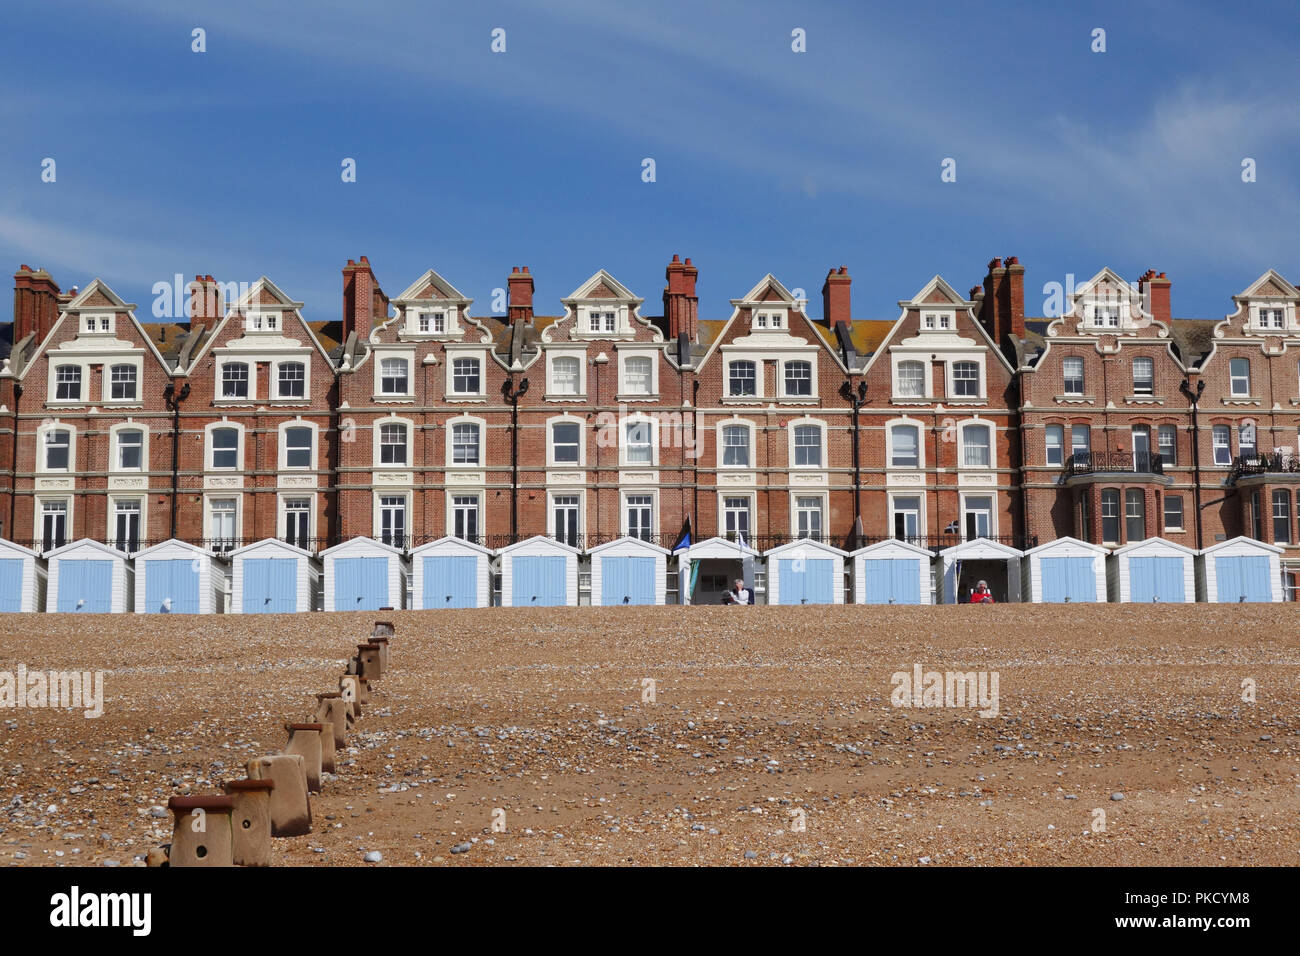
x=835, y=298
x=681, y=304
x=363, y=300
x=36, y=303
x=206, y=308
x=521, y=296
x=1015, y=299
x=1155, y=295
x=991, y=306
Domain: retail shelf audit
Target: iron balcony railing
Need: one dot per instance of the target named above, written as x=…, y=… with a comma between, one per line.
x=1271, y=464
x=1113, y=462
x=495, y=542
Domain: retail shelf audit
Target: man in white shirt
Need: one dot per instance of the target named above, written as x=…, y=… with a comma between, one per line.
x=739, y=594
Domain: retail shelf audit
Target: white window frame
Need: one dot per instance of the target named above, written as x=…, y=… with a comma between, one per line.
x=106, y=381
x=376, y=437
x=283, y=445
x=83, y=369
x=278, y=364
x=932, y=321
x=575, y=355
x=41, y=456
x=653, y=425
x=377, y=517
x=961, y=443
x=1232, y=377
x=282, y=511
x=38, y=529
x=551, y=495
x=97, y=323
x=250, y=367
x=822, y=505
x=1215, y=431
x=209, y=450
x=758, y=380
x=407, y=357
x=451, y=495
x=1060, y=445
x=115, y=446
x=753, y=450
x=1259, y=309
x=1164, y=513
x=480, y=356
x=964, y=507
x=626, y=355
x=142, y=505
x=625, y=527
x=551, y=460
x=452, y=464
x=889, y=444
x=266, y=321
x=950, y=370
x=813, y=394
x=750, y=508
x=1082, y=379
x=1151, y=382
x=926, y=389
x=209, y=528
x=807, y=422
x=919, y=497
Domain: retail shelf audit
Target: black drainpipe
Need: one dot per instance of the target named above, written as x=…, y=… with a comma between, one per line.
x=1195, y=398
x=856, y=399
x=13, y=465
x=512, y=395
x=174, y=406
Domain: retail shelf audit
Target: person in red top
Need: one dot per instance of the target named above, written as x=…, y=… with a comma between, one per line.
x=981, y=594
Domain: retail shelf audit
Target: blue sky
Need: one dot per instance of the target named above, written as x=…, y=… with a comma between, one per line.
x=470, y=162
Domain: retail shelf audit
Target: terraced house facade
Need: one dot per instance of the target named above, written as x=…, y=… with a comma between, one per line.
x=415, y=417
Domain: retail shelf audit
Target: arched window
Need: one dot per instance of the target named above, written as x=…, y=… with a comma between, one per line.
x=975, y=446
x=808, y=446
x=735, y=445
x=904, y=446
x=465, y=444
x=392, y=443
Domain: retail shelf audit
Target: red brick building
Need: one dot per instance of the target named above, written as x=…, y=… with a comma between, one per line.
x=412, y=418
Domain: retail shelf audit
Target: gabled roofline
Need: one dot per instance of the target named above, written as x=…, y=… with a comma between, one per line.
x=908, y=305
x=749, y=302
x=234, y=308
x=119, y=305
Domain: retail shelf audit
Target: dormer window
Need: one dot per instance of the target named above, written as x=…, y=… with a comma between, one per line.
x=768, y=320
x=263, y=322
x=602, y=321
x=97, y=323
x=940, y=321
x=1105, y=316
x=432, y=323
x=1271, y=318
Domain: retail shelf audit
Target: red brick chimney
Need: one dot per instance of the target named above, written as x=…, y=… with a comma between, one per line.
x=363, y=300
x=206, y=307
x=1155, y=295
x=521, y=295
x=1015, y=298
x=681, y=304
x=992, y=308
x=36, y=302
x=835, y=298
